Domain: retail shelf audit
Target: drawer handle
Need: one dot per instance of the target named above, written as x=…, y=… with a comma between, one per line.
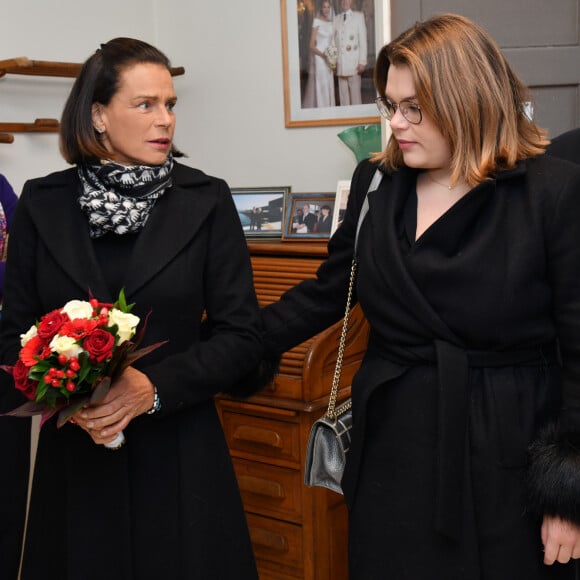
x=257, y=435
x=261, y=486
x=267, y=539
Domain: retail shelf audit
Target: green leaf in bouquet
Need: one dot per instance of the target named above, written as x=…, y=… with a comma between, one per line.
x=85, y=366
x=121, y=302
x=41, y=390
x=42, y=365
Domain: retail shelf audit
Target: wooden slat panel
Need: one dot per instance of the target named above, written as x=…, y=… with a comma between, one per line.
x=273, y=275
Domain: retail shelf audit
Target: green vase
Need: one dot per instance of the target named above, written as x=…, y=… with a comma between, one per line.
x=363, y=140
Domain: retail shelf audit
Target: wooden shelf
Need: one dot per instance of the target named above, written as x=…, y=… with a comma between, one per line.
x=39, y=126
x=24, y=66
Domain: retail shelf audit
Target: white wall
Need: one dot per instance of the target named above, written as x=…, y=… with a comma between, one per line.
x=231, y=102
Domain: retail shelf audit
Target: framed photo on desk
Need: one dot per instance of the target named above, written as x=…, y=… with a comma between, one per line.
x=261, y=210
x=308, y=216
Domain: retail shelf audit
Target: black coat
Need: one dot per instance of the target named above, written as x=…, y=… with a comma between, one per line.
x=461, y=368
x=566, y=146
x=167, y=504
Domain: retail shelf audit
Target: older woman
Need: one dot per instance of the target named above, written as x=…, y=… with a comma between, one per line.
x=468, y=275
x=166, y=504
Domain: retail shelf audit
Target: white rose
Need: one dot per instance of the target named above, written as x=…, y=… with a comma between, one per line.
x=125, y=321
x=24, y=338
x=65, y=345
x=78, y=309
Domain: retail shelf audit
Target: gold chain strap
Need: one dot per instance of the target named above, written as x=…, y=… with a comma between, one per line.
x=333, y=412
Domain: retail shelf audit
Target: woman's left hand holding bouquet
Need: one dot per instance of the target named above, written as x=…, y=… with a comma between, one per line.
x=130, y=395
x=76, y=362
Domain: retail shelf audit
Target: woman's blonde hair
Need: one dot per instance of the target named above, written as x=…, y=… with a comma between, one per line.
x=466, y=86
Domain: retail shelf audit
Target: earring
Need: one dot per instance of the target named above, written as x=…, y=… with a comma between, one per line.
x=99, y=130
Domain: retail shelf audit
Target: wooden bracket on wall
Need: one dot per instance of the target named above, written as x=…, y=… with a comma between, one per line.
x=39, y=126
x=24, y=66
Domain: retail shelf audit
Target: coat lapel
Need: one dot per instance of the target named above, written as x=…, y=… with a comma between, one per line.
x=385, y=207
x=176, y=219
x=63, y=229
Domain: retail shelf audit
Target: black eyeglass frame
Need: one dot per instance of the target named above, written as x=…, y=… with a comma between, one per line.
x=384, y=106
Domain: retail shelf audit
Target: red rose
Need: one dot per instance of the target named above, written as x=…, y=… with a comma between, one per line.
x=35, y=347
x=99, y=344
x=22, y=382
x=50, y=324
x=78, y=328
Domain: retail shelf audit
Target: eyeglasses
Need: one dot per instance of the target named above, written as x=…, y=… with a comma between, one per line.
x=411, y=111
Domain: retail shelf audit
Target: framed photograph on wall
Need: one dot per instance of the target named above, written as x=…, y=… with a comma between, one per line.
x=308, y=215
x=342, y=192
x=261, y=210
x=322, y=48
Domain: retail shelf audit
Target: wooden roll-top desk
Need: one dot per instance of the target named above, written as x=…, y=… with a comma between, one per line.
x=296, y=531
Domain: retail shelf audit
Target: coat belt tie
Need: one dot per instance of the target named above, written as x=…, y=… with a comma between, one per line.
x=453, y=364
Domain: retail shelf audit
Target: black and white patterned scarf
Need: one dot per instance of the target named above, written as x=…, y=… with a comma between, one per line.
x=119, y=198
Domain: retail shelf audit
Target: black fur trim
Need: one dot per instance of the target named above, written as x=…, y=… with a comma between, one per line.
x=554, y=475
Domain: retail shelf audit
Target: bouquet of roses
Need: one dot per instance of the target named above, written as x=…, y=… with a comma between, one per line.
x=331, y=54
x=71, y=355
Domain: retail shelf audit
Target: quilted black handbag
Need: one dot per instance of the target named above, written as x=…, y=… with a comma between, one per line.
x=329, y=439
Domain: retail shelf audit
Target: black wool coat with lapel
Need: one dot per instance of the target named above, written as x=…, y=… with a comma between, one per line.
x=460, y=372
x=166, y=505
x=566, y=146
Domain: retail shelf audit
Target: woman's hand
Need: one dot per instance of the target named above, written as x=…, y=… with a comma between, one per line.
x=131, y=395
x=561, y=540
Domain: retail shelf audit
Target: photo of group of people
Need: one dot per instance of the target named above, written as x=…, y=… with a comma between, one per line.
x=279, y=213
x=312, y=219
x=309, y=215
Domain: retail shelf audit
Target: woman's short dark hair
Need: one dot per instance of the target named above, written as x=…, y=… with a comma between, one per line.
x=97, y=82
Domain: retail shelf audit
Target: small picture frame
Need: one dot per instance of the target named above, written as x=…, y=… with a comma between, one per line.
x=308, y=216
x=342, y=192
x=261, y=210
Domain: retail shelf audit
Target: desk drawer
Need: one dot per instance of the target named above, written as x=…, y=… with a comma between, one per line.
x=263, y=438
x=278, y=544
x=270, y=490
